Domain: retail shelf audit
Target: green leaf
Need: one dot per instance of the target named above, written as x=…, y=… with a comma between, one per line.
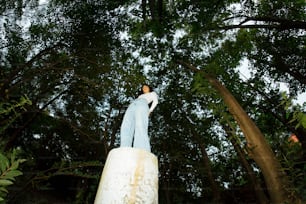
x=4, y=163
x=13, y=156
x=302, y=119
x=3, y=189
x=11, y=174
x=15, y=165
x=5, y=182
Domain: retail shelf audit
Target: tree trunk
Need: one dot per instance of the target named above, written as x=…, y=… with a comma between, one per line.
x=259, y=193
x=214, y=186
x=275, y=178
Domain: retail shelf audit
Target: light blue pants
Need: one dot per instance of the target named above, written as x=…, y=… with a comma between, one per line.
x=135, y=125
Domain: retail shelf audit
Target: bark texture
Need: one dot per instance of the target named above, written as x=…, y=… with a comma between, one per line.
x=276, y=180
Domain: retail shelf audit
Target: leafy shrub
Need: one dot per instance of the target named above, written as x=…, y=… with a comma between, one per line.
x=8, y=172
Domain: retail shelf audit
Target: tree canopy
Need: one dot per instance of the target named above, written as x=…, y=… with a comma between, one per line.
x=69, y=69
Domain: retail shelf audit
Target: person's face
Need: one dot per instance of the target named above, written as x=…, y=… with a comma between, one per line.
x=145, y=89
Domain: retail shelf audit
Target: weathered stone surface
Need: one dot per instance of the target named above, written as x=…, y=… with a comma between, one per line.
x=130, y=176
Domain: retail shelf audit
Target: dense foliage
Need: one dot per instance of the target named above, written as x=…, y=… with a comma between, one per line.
x=68, y=70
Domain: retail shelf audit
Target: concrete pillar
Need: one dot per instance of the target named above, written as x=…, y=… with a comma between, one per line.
x=130, y=176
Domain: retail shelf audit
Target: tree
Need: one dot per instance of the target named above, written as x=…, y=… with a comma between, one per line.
x=275, y=178
x=80, y=63
x=206, y=28
x=67, y=71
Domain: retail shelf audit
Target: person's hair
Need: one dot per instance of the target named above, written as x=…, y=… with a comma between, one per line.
x=141, y=91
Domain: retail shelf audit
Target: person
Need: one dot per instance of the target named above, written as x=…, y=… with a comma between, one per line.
x=136, y=120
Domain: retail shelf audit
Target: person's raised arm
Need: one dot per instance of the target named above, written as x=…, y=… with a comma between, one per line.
x=154, y=102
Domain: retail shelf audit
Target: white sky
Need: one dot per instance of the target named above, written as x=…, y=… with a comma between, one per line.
x=245, y=74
